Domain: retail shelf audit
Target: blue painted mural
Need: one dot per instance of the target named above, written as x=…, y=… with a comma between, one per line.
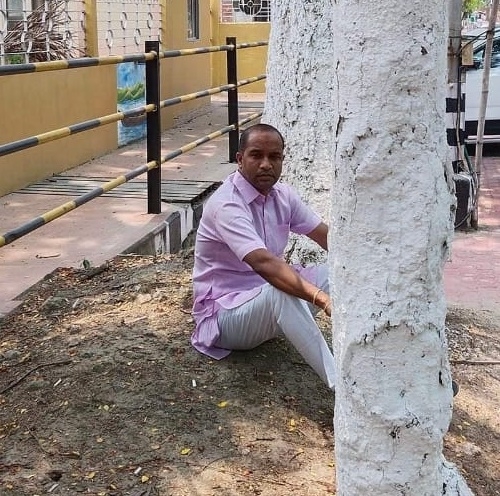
x=131, y=77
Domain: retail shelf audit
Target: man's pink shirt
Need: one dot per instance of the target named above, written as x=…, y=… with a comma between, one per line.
x=237, y=220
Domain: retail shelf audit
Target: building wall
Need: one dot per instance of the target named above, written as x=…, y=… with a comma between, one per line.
x=187, y=74
x=40, y=102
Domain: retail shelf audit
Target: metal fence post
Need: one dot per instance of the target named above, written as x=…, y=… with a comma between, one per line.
x=153, y=127
x=232, y=99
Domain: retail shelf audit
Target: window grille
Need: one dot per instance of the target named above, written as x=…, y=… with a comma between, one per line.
x=193, y=9
x=40, y=30
x=245, y=11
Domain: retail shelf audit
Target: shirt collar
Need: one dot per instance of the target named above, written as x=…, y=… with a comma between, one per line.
x=248, y=192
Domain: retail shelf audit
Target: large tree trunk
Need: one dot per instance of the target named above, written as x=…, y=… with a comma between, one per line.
x=391, y=228
x=299, y=101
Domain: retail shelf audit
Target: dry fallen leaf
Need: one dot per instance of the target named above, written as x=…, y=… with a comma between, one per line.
x=144, y=478
x=223, y=404
x=185, y=451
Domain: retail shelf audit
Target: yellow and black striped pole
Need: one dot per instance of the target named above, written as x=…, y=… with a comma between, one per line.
x=56, y=134
x=216, y=134
x=211, y=91
x=57, y=65
x=251, y=44
x=243, y=82
x=192, y=96
x=40, y=139
x=53, y=214
x=194, y=51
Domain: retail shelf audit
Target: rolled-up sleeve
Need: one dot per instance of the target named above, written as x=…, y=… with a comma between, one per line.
x=303, y=219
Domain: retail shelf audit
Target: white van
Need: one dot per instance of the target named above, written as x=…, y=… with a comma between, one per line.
x=473, y=88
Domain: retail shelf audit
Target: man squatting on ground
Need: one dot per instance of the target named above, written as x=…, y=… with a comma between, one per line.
x=244, y=292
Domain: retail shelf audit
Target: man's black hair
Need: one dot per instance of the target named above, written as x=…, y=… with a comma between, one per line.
x=245, y=135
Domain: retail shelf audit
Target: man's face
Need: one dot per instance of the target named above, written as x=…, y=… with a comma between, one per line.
x=261, y=161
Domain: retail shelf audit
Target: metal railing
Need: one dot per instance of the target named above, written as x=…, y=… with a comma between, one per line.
x=152, y=58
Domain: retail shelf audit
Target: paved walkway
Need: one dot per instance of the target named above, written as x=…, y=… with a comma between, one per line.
x=109, y=225
x=472, y=276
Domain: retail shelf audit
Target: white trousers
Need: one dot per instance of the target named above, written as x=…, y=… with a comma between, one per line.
x=274, y=313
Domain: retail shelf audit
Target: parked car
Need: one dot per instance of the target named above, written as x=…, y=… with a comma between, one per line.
x=474, y=82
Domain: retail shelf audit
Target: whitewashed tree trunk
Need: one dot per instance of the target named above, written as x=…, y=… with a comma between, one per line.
x=390, y=235
x=384, y=91
x=299, y=102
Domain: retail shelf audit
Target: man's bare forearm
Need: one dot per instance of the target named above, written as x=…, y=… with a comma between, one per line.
x=283, y=277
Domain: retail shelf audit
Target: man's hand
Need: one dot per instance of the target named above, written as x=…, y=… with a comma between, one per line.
x=320, y=296
x=328, y=308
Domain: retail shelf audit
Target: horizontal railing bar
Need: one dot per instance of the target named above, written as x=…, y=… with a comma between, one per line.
x=252, y=44
x=57, y=65
x=487, y=139
x=194, y=51
x=63, y=132
x=253, y=79
x=211, y=91
x=57, y=212
x=192, y=96
x=208, y=137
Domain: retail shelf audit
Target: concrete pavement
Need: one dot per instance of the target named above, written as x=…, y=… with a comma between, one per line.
x=112, y=224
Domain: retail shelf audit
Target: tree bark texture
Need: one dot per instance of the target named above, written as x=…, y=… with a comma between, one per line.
x=299, y=101
x=390, y=236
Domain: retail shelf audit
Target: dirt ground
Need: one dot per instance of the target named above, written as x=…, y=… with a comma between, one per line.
x=102, y=394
